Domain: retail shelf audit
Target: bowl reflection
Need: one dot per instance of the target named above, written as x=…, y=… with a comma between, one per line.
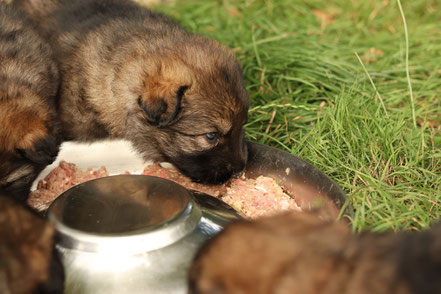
x=133, y=233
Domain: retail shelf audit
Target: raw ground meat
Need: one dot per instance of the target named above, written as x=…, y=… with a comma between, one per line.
x=65, y=176
x=259, y=197
x=174, y=175
x=251, y=197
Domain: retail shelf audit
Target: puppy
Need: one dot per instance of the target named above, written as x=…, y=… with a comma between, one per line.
x=28, y=86
x=134, y=74
x=299, y=253
x=28, y=260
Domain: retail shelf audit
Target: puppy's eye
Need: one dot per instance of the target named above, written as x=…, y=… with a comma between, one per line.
x=212, y=137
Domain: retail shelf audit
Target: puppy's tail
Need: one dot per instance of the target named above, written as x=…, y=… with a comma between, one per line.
x=38, y=10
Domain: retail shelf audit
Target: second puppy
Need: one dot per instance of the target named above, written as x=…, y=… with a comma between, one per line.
x=130, y=73
x=300, y=253
x=28, y=86
x=29, y=261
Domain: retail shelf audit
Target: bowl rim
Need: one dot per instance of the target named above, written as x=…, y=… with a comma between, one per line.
x=134, y=241
x=291, y=171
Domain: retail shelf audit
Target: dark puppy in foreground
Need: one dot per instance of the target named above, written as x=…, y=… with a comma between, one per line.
x=299, y=253
x=130, y=73
x=28, y=86
x=28, y=260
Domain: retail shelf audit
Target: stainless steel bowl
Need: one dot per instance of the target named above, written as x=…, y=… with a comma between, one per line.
x=133, y=233
x=306, y=183
x=138, y=234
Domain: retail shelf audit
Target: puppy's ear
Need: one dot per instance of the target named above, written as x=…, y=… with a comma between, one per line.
x=161, y=100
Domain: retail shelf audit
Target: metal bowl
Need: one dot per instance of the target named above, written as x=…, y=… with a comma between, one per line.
x=138, y=234
x=132, y=233
x=307, y=184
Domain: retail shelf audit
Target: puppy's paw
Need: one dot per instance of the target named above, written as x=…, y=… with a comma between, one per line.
x=43, y=151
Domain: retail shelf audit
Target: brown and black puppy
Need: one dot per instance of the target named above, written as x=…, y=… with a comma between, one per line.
x=28, y=259
x=134, y=74
x=28, y=86
x=299, y=253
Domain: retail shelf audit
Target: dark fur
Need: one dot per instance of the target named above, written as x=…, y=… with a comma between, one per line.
x=28, y=86
x=28, y=259
x=299, y=253
x=131, y=73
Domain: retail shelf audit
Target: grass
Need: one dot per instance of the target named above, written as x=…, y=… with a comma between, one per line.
x=346, y=86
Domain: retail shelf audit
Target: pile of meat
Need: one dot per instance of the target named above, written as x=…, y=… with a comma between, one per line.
x=65, y=176
x=251, y=197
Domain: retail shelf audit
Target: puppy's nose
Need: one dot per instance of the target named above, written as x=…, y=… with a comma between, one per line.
x=237, y=175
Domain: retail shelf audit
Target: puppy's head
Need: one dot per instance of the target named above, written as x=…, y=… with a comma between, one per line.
x=196, y=100
x=18, y=169
x=271, y=255
x=28, y=139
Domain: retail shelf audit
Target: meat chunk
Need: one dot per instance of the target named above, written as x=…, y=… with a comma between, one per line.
x=251, y=197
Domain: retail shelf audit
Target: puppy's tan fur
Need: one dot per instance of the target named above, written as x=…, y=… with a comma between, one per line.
x=24, y=121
